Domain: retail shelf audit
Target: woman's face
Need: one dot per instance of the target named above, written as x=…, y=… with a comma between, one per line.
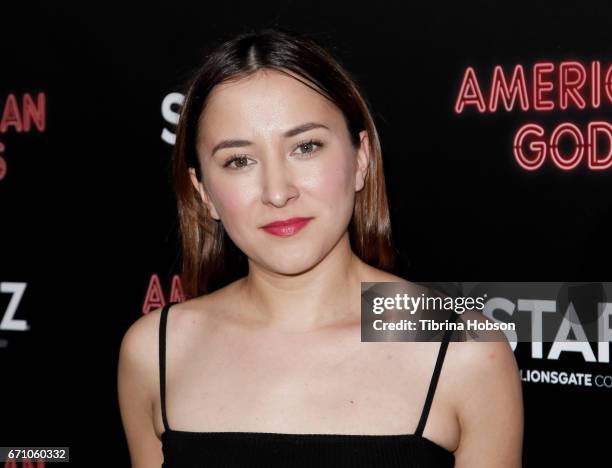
x=261, y=163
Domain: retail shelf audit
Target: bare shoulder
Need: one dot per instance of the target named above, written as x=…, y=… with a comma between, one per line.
x=482, y=364
x=139, y=352
x=137, y=384
x=487, y=394
x=140, y=343
x=484, y=359
x=138, y=380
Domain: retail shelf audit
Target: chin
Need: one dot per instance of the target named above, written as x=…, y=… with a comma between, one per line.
x=292, y=263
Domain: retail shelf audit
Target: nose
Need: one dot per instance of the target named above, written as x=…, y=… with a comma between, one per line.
x=278, y=183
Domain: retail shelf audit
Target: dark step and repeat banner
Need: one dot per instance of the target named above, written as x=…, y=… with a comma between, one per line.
x=495, y=121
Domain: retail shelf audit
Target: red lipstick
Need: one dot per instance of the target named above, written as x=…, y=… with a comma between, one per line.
x=286, y=227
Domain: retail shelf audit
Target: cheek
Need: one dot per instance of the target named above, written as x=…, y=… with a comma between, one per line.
x=332, y=181
x=233, y=197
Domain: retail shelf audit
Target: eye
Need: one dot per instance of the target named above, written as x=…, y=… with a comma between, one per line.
x=241, y=161
x=308, y=146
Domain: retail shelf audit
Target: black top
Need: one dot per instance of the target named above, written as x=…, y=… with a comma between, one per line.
x=188, y=449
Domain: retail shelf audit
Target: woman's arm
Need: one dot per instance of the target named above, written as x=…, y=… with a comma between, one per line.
x=137, y=370
x=489, y=405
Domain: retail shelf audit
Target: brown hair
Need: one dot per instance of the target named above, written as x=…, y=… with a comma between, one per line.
x=210, y=259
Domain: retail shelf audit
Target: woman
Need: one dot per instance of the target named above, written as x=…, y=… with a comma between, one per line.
x=283, y=213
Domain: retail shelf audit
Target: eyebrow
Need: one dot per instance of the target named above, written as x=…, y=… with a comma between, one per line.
x=235, y=143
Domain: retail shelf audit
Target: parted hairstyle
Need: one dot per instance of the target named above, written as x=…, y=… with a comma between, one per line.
x=209, y=258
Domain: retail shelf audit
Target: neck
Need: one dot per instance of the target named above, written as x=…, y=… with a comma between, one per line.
x=325, y=295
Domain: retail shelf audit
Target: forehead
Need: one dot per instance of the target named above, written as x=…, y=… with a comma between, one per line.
x=266, y=102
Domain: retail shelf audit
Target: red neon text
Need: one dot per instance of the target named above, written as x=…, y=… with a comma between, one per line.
x=531, y=146
x=544, y=88
x=21, y=117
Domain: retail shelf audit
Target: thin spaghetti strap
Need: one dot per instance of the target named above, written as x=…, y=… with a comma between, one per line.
x=435, y=377
x=162, y=362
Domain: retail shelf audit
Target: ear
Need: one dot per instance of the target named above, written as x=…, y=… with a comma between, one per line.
x=205, y=198
x=363, y=160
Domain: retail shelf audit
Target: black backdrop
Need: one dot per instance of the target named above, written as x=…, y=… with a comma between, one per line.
x=88, y=221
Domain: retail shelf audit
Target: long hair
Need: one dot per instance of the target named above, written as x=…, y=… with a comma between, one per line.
x=210, y=259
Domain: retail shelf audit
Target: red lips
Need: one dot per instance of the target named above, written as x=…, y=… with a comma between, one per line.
x=286, y=227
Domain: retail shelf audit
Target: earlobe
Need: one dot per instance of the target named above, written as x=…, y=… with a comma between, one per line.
x=363, y=159
x=203, y=195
